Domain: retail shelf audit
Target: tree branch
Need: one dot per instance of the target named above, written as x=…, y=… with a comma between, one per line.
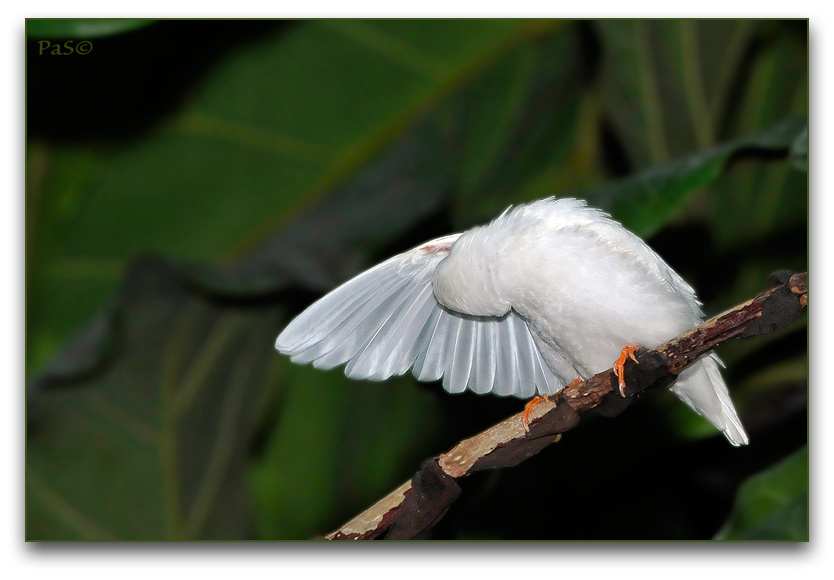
x=420, y=502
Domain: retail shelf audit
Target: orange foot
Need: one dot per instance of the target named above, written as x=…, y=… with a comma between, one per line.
x=528, y=408
x=533, y=403
x=628, y=352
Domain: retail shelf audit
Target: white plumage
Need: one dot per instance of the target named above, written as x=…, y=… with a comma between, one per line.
x=547, y=292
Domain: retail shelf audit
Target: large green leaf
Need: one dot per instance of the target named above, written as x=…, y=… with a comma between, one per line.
x=525, y=129
x=773, y=505
x=652, y=197
x=665, y=83
x=337, y=446
x=155, y=447
x=772, y=198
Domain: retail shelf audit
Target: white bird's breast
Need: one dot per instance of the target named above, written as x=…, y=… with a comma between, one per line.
x=586, y=286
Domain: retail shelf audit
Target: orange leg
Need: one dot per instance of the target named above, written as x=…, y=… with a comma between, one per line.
x=628, y=352
x=533, y=403
x=528, y=408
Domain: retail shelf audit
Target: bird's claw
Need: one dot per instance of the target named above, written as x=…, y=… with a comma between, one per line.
x=528, y=408
x=627, y=353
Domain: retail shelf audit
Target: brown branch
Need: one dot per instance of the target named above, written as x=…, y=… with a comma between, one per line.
x=418, y=503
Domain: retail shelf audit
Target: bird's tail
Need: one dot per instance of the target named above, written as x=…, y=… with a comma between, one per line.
x=701, y=387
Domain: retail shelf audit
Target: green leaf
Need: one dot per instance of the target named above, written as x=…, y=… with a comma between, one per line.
x=647, y=200
x=771, y=198
x=772, y=505
x=155, y=447
x=337, y=447
x=665, y=83
x=524, y=129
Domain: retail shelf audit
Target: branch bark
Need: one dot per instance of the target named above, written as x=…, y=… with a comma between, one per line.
x=420, y=502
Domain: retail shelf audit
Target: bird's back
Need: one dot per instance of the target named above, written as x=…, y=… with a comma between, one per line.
x=587, y=286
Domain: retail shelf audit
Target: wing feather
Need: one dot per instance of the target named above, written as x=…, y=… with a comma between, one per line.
x=526, y=360
x=344, y=323
x=506, y=377
x=398, y=345
x=456, y=380
x=428, y=366
x=387, y=320
x=483, y=368
x=389, y=351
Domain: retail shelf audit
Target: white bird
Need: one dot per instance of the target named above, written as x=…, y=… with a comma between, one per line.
x=546, y=293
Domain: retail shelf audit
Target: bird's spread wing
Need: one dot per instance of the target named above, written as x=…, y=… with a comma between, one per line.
x=387, y=320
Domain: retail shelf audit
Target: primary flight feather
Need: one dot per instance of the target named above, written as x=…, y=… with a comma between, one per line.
x=548, y=292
